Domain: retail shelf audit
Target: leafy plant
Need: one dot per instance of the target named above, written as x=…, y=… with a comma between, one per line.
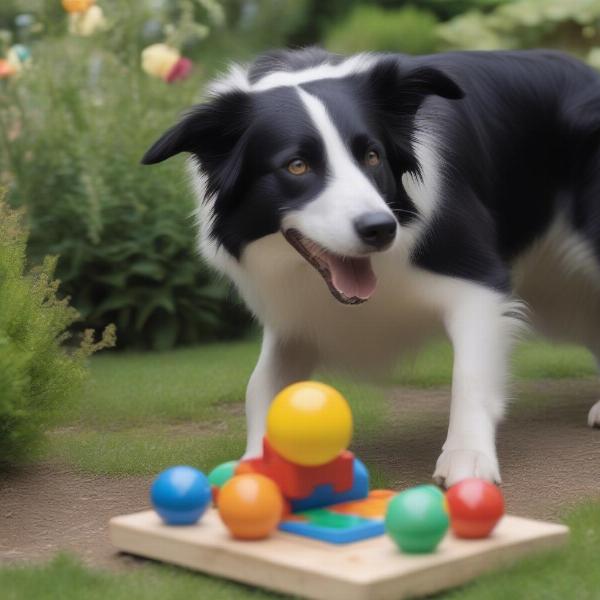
x=571, y=26
x=73, y=129
x=36, y=374
x=408, y=30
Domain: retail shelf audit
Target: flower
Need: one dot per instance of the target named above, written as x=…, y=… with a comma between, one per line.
x=181, y=70
x=159, y=60
x=7, y=69
x=77, y=6
x=87, y=23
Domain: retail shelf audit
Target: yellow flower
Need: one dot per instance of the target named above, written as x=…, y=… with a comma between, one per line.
x=159, y=59
x=87, y=23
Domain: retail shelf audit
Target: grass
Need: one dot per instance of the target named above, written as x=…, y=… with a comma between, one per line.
x=571, y=572
x=531, y=360
x=66, y=579
x=144, y=412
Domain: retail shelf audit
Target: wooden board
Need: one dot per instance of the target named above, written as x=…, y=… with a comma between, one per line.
x=372, y=569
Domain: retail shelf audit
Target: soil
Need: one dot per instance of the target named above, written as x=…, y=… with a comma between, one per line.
x=550, y=460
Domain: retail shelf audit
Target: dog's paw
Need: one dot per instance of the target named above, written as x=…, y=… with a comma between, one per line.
x=594, y=415
x=454, y=465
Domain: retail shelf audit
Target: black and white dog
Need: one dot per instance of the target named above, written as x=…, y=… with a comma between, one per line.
x=362, y=204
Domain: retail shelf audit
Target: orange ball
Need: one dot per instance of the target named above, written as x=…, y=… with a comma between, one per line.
x=251, y=506
x=73, y=6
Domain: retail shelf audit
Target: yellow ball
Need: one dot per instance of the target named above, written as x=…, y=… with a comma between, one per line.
x=309, y=423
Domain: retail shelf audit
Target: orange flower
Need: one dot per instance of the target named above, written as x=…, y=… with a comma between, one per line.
x=6, y=69
x=74, y=6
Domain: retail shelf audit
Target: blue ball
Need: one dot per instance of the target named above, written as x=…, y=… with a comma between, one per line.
x=180, y=495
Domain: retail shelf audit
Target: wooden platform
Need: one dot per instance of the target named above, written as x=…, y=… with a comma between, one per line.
x=368, y=570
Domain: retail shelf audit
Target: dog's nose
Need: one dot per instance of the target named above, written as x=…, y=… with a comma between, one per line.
x=377, y=229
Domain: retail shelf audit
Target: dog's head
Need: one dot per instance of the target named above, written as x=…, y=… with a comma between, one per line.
x=312, y=146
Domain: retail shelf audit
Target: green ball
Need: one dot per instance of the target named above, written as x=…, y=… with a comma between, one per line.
x=222, y=473
x=417, y=519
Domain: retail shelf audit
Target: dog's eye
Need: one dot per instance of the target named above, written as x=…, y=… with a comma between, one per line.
x=297, y=167
x=372, y=158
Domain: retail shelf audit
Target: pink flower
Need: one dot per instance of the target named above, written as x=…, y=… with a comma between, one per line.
x=180, y=70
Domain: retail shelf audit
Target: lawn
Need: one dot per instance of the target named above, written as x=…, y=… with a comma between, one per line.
x=569, y=573
x=143, y=412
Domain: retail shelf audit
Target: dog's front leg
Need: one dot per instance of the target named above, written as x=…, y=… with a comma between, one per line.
x=280, y=363
x=481, y=331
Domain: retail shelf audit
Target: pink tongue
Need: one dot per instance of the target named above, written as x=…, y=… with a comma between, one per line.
x=353, y=277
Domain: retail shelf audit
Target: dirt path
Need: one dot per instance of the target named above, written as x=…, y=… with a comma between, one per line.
x=550, y=459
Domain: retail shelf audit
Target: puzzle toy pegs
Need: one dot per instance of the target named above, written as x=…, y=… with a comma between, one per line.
x=180, y=495
x=417, y=519
x=475, y=507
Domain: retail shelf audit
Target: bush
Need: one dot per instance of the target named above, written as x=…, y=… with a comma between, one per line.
x=407, y=30
x=75, y=126
x=571, y=26
x=36, y=374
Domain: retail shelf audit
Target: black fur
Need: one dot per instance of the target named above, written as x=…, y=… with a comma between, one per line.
x=517, y=132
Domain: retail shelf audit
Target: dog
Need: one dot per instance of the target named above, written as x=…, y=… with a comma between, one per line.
x=363, y=204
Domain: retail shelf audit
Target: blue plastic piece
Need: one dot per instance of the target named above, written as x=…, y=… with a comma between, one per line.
x=324, y=495
x=367, y=528
x=180, y=495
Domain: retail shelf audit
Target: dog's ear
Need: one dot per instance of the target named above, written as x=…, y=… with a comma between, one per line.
x=398, y=89
x=210, y=131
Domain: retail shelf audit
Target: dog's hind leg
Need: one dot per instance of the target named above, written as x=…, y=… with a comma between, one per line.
x=281, y=362
x=594, y=414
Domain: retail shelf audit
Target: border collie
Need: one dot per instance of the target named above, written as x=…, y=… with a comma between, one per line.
x=363, y=204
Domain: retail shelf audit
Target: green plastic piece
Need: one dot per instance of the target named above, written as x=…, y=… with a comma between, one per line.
x=417, y=519
x=222, y=473
x=330, y=519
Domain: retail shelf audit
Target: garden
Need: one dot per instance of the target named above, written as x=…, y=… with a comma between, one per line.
x=122, y=354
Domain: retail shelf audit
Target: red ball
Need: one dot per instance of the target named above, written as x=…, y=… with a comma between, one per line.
x=475, y=507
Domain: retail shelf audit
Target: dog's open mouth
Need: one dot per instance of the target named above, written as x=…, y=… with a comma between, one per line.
x=350, y=280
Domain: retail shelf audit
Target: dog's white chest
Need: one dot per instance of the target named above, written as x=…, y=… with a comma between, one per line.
x=290, y=297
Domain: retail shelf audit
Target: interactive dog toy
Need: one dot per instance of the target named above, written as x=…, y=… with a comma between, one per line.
x=308, y=485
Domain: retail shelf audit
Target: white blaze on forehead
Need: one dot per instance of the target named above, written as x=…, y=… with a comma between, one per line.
x=341, y=165
x=236, y=79
x=348, y=194
x=353, y=65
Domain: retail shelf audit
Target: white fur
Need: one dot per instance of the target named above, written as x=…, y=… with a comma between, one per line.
x=594, y=415
x=424, y=190
x=354, y=64
x=236, y=78
x=329, y=218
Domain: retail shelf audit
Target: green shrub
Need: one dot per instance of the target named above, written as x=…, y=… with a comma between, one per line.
x=407, y=30
x=36, y=374
x=571, y=26
x=75, y=126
